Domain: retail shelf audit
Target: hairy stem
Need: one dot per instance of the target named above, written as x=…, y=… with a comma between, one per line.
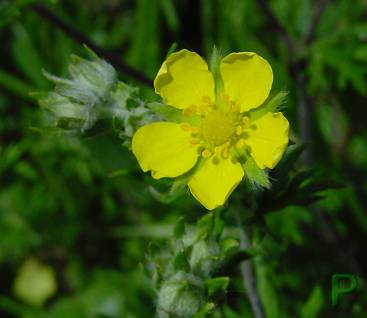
x=248, y=275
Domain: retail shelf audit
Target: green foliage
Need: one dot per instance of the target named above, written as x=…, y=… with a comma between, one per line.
x=79, y=205
x=183, y=271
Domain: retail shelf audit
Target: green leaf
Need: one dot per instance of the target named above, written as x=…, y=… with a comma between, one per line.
x=170, y=14
x=314, y=304
x=208, y=307
x=290, y=157
x=14, y=84
x=181, y=262
x=269, y=295
x=217, y=285
x=26, y=55
x=179, y=228
x=154, y=250
x=322, y=185
x=227, y=245
x=256, y=175
x=271, y=105
x=300, y=178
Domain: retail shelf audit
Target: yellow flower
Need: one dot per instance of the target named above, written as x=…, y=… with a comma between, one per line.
x=216, y=127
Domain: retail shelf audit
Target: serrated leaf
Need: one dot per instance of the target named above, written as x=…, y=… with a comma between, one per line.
x=217, y=285
x=181, y=262
x=256, y=175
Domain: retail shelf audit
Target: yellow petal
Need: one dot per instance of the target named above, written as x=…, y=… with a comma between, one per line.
x=164, y=149
x=214, y=182
x=247, y=79
x=184, y=79
x=268, y=139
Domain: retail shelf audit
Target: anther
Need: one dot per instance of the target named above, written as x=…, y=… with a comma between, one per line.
x=206, y=153
x=189, y=110
x=246, y=120
x=239, y=130
x=185, y=126
x=240, y=144
x=225, y=97
x=194, y=130
x=195, y=141
x=206, y=99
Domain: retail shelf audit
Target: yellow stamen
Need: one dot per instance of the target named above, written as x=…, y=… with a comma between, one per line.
x=206, y=99
x=239, y=130
x=240, y=143
x=189, y=110
x=194, y=130
x=225, y=153
x=246, y=120
x=185, y=126
x=224, y=97
x=203, y=109
x=206, y=153
x=195, y=141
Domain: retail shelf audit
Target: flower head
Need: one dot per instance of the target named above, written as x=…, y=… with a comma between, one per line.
x=217, y=132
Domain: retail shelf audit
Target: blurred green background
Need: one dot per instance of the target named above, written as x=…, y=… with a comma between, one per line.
x=76, y=215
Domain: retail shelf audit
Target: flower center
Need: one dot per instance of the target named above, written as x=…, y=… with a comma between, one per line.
x=222, y=128
x=218, y=127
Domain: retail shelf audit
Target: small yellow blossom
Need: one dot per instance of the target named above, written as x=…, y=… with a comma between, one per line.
x=215, y=128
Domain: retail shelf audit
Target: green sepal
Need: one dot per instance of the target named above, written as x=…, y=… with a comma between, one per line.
x=271, y=105
x=166, y=112
x=181, y=262
x=176, y=190
x=217, y=285
x=59, y=105
x=172, y=48
x=256, y=175
x=178, y=186
x=207, y=309
x=215, y=70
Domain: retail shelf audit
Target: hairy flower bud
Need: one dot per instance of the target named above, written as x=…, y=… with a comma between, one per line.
x=182, y=295
x=92, y=93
